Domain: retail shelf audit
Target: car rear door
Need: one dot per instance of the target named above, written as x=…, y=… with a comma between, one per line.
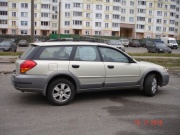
x=119, y=71
x=88, y=67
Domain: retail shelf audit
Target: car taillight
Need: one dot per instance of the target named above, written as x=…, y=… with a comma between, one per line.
x=27, y=65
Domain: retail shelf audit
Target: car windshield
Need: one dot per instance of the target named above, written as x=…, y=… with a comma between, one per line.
x=115, y=42
x=5, y=44
x=172, y=41
x=160, y=45
x=125, y=40
x=135, y=41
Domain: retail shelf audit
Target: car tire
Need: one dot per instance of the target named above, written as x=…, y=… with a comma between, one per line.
x=60, y=92
x=150, y=85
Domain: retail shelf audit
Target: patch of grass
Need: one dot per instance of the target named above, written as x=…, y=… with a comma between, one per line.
x=10, y=53
x=168, y=63
x=155, y=54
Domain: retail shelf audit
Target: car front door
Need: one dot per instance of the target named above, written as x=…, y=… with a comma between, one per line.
x=88, y=67
x=119, y=70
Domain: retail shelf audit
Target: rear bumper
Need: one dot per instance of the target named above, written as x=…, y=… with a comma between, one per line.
x=29, y=83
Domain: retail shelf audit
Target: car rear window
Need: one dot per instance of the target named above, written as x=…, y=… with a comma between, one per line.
x=27, y=52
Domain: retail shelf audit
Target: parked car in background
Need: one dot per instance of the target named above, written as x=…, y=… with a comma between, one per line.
x=60, y=70
x=6, y=46
x=125, y=42
x=117, y=44
x=134, y=43
x=170, y=42
x=145, y=43
x=23, y=43
x=159, y=47
x=2, y=39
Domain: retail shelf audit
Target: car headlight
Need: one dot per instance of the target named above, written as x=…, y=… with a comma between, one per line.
x=165, y=69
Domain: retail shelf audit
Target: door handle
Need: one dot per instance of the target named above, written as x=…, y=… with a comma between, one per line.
x=75, y=66
x=110, y=66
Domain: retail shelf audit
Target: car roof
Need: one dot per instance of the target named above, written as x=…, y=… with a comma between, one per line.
x=67, y=43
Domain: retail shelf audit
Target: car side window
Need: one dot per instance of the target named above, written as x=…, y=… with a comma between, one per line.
x=60, y=52
x=86, y=53
x=112, y=55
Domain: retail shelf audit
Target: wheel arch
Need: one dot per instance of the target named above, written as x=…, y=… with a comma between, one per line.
x=158, y=75
x=65, y=76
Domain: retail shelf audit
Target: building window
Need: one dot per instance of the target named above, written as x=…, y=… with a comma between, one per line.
x=123, y=19
x=140, y=26
x=159, y=13
x=107, y=8
x=165, y=14
x=24, y=14
x=131, y=11
x=159, y=5
x=14, y=32
x=54, y=8
x=158, y=36
x=172, y=21
x=24, y=32
x=131, y=3
x=35, y=6
x=149, y=20
x=176, y=23
x=141, y=10
x=3, y=12
x=158, y=28
x=123, y=11
x=124, y=2
x=67, y=6
x=99, y=7
x=115, y=24
x=13, y=23
x=3, y=21
x=98, y=16
x=66, y=31
x=171, y=29
x=166, y=6
x=55, y=1
x=24, y=5
x=35, y=23
x=164, y=29
x=66, y=23
x=107, y=17
x=67, y=14
x=150, y=5
x=54, y=25
x=88, y=7
x=13, y=14
x=172, y=6
x=149, y=27
x=172, y=14
x=3, y=4
x=87, y=32
x=150, y=12
x=97, y=32
x=107, y=1
x=87, y=24
x=165, y=21
x=45, y=6
x=131, y=19
x=13, y=5
x=35, y=32
x=54, y=17
x=116, y=16
x=140, y=18
x=76, y=22
x=76, y=4
x=106, y=25
x=35, y=15
x=76, y=13
x=116, y=8
x=177, y=16
x=24, y=23
x=87, y=15
x=44, y=23
x=97, y=24
x=44, y=14
x=141, y=2
x=159, y=21
x=117, y=1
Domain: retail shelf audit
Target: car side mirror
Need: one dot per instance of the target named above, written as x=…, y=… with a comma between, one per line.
x=131, y=60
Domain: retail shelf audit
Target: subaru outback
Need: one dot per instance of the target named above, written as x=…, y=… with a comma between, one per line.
x=60, y=70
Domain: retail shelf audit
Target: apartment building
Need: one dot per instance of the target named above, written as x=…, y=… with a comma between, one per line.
x=125, y=18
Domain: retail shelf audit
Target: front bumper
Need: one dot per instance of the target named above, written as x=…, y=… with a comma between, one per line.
x=165, y=78
x=29, y=83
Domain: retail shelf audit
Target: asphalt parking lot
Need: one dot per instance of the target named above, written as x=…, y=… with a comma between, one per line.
x=124, y=112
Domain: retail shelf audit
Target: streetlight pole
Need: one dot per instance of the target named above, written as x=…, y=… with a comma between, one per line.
x=59, y=21
x=32, y=20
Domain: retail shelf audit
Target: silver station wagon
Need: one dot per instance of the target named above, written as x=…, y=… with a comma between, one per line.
x=60, y=70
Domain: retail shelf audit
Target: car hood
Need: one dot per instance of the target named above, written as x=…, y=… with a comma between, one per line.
x=161, y=47
x=148, y=65
x=4, y=47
